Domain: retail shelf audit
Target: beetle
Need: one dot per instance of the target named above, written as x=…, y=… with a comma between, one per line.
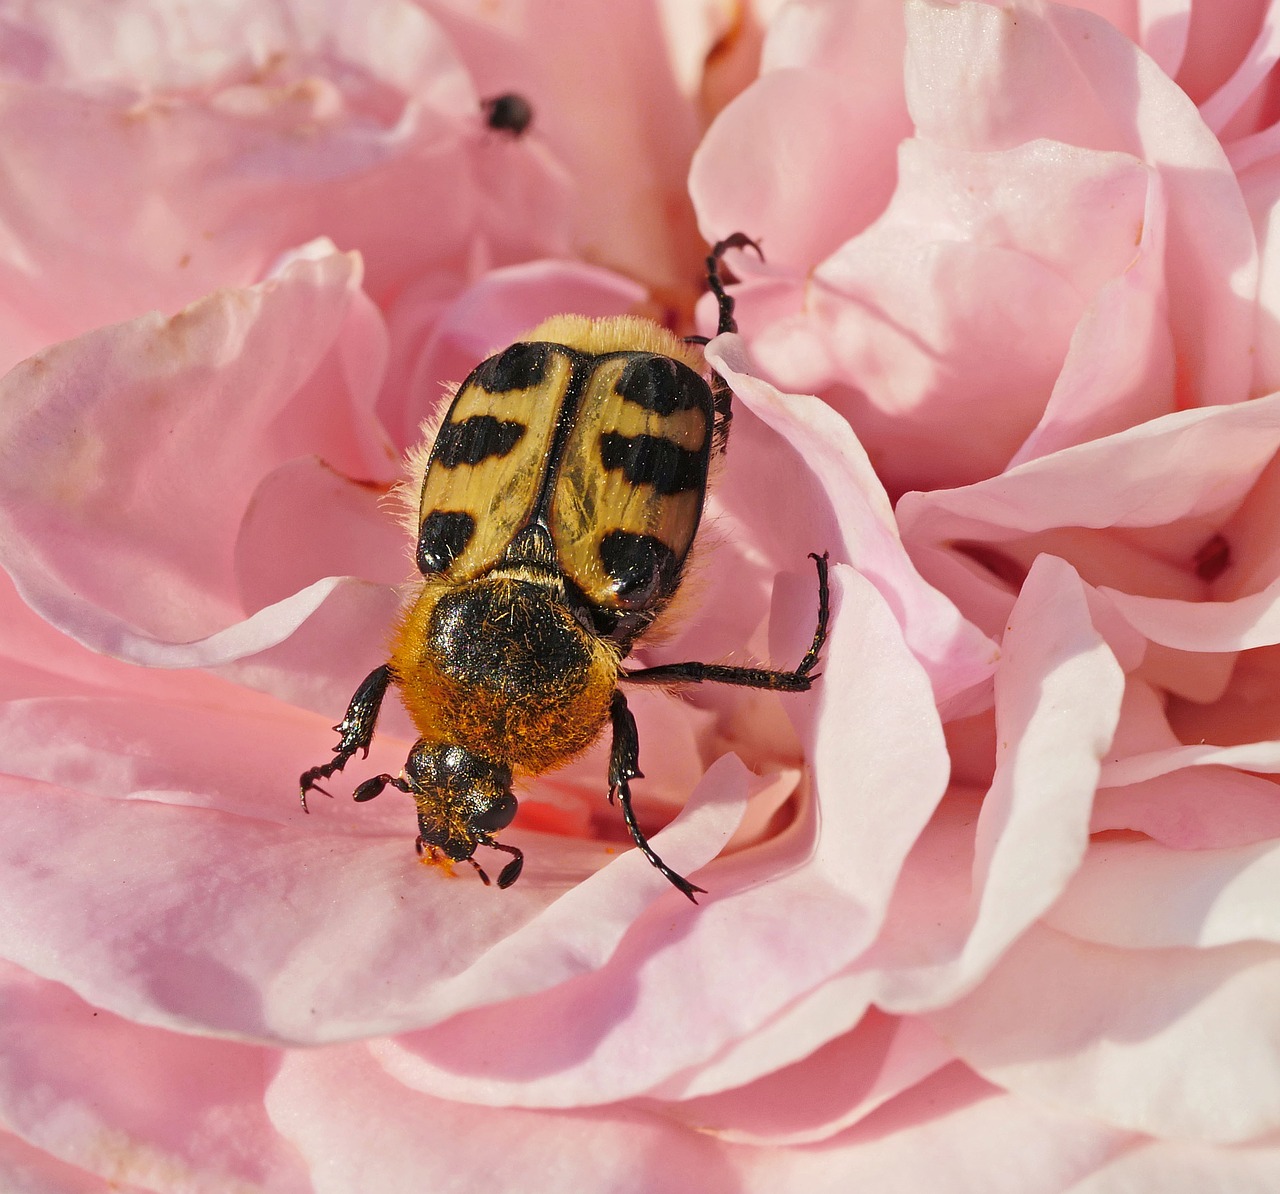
x=555, y=514
x=508, y=113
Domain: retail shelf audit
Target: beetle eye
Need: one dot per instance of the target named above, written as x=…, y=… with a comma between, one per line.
x=497, y=816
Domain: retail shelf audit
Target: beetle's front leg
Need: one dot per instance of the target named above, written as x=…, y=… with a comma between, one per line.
x=624, y=766
x=356, y=730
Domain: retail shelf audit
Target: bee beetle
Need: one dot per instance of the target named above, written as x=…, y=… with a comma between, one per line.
x=557, y=508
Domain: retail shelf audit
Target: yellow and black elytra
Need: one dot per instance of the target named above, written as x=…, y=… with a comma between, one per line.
x=557, y=509
x=508, y=113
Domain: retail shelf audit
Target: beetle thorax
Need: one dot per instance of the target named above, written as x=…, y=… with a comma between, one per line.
x=499, y=665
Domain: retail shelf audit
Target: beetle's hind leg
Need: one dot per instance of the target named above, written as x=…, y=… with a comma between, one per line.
x=798, y=679
x=721, y=395
x=356, y=730
x=739, y=240
x=624, y=766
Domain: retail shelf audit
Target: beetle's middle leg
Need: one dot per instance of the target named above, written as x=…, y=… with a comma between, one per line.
x=624, y=766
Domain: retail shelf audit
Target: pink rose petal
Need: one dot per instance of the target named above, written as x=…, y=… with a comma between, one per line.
x=1185, y=1167
x=625, y=132
x=833, y=71
x=119, y=863
x=28, y=1170
x=1175, y=1043
x=981, y=876
x=161, y=509
x=1140, y=895
x=947, y=1129
x=135, y=1115
x=984, y=77
x=836, y=1086
x=1198, y=808
x=216, y=145
x=1117, y=482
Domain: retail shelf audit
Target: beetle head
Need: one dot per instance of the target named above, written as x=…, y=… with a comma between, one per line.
x=463, y=799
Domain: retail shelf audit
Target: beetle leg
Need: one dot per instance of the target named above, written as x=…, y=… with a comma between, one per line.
x=510, y=872
x=739, y=240
x=356, y=730
x=624, y=766
x=373, y=787
x=799, y=679
x=479, y=871
x=721, y=395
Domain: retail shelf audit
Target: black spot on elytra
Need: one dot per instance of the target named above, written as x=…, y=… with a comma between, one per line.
x=444, y=536
x=652, y=460
x=519, y=367
x=661, y=385
x=643, y=568
x=475, y=440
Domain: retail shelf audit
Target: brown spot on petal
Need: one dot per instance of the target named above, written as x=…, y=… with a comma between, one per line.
x=1213, y=558
x=1002, y=567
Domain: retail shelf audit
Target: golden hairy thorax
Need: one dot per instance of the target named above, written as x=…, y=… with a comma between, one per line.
x=498, y=665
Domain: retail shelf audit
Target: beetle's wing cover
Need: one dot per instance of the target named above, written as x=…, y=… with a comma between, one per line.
x=489, y=459
x=631, y=480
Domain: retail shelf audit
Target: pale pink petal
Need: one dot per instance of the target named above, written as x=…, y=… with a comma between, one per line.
x=948, y=1129
x=1248, y=710
x=1248, y=622
x=974, y=884
x=1195, y=809
x=357, y=1129
x=605, y=88
x=1176, y=1043
x=826, y=110
x=945, y=1130
x=838, y=1085
x=1185, y=1167
x=1119, y=368
x=214, y=145
x=819, y=1017
x=1258, y=165
x=1141, y=895
x=28, y=1170
x=1252, y=756
x=985, y=77
x=1218, y=38
x=947, y=320
x=129, y=864
x=1164, y=28
x=133, y=532
x=188, y=751
x=441, y=338
x=136, y=1115
x=305, y=519
x=1220, y=109
x=1120, y=481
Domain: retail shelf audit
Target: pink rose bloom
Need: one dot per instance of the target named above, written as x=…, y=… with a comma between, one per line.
x=993, y=908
